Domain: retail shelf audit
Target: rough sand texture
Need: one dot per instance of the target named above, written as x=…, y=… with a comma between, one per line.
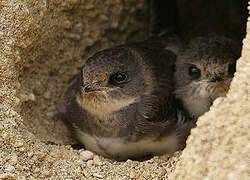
x=41, y=45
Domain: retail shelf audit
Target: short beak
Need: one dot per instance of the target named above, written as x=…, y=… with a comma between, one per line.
x=96, y=86
x=91, y=86
x=216, y=79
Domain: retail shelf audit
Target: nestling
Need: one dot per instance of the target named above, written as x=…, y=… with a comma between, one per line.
x=122, y=105
x=204, y=71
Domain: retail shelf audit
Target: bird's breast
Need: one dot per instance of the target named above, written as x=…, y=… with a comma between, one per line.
x=121, y=148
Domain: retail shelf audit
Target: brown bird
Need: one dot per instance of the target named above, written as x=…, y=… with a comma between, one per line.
x=204, y=71
x=122, y=104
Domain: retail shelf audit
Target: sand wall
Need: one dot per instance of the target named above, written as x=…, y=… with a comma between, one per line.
x=42, y=43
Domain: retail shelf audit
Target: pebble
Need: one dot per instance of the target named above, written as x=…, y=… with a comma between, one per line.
x=97, y=161
x=86, y=155
x=5, y=136
x=18, y=144
x=32, y=97
x=46, y=173
x=129, y=161
x=22, y=149
x=21, y=178
x=89, y=163
x=19, y=168
x=9, y=168
x=30, y=153
x=86, y=173
x=36, y=170
x=13, y=159
x=162, y=172
x=133, y=175
x=17, y=101
x=98, y=175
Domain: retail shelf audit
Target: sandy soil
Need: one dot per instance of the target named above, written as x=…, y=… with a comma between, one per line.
x=42, y=43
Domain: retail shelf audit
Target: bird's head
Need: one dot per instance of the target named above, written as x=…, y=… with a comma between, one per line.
x=204, y=72
x=113, y=79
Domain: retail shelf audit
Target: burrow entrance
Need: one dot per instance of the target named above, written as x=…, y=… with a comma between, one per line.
x=70, y=33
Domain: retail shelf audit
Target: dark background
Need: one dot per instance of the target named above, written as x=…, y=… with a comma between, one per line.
x=198, y=17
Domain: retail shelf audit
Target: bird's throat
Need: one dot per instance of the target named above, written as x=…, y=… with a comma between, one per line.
x=103, y=107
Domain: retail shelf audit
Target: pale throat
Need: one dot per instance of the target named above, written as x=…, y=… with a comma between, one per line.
x=199, y=102
x=105, y=107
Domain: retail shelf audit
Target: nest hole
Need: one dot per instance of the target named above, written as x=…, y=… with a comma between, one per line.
x=45, y=77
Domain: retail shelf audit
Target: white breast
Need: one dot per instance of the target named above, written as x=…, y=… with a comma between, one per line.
x=116, y=147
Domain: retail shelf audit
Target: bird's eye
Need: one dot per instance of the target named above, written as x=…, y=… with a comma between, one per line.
x=232, y=69
x=118, y=78
x=194, y=72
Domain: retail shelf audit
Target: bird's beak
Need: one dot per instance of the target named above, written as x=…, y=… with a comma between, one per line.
x=214, y=80
x=95, y=86
x=88, y=87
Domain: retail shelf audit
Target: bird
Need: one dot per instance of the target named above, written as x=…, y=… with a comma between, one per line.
x=122, y=106
x=204, y=70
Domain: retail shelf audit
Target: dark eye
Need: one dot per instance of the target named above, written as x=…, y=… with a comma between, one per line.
x=194, y=72
x=118, y=78
x=231, y=69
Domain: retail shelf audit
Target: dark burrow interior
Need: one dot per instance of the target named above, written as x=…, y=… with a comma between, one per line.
x=45, y=80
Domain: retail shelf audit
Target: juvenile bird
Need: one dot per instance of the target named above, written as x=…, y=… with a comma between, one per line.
x=122, y=104
x=204, y=71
